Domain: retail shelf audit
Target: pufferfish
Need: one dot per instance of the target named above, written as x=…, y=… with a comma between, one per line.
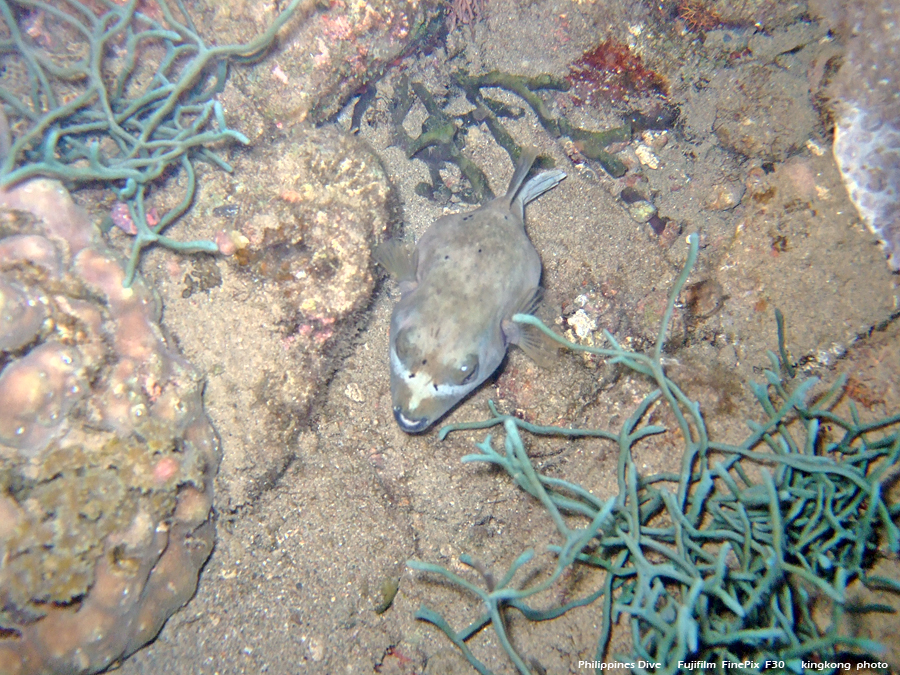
x=459, y=289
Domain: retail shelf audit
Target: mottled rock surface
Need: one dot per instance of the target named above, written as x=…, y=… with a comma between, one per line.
x=328, y=54
x=763, y=111
x=300, y=286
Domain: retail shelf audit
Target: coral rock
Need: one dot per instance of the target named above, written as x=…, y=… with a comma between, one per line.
x=320, y=208
x=867, y=127
x=21, y=315
x=106, y=455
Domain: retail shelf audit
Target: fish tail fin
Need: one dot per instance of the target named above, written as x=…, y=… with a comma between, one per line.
x=521, y=192
x=534, y=188
x=540, y=184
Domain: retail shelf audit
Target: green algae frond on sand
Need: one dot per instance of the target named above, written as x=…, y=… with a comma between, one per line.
x=117, y=96
x=722, y=562
x=442, y=138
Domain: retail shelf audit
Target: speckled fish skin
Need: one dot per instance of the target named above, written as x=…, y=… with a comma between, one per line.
x=471, y=272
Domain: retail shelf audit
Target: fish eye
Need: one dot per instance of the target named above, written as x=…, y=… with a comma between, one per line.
x=467, y=371
x=403, y=345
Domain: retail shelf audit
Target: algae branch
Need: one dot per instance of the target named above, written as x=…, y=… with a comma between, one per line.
x=121, y=97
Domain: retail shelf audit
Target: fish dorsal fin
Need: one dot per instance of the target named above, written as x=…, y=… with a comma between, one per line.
x=526, y=159
x=537, y=346
x=398, y=258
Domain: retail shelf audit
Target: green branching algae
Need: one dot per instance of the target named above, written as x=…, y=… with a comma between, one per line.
x=592, y=143
x=722, y=562
x=88, y=117
x=442, y=138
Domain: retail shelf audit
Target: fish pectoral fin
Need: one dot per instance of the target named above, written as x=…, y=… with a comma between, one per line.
x=537, y=346
x=398, y=258
x=529, y=303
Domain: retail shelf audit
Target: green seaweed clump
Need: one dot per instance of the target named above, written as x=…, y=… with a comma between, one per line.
x=722, y=562
x=118, y=98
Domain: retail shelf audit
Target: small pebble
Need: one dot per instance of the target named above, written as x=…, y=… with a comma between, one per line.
x=641, y=211
x=226, y=211
x=724, y=197
x=582, y=324
x=630, y=195
x=231, y=242
x=646, y=156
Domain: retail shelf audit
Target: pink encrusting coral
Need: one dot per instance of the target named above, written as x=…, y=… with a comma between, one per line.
x=106, y=455
x=121, y=218
x=21, y=315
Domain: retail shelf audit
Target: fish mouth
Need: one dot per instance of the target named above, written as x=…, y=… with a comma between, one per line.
x=410, y=426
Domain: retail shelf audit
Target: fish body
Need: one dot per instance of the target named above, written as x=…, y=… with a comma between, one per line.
x=469, y=274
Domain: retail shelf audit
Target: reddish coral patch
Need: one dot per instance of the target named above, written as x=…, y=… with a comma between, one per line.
x=611, y=72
